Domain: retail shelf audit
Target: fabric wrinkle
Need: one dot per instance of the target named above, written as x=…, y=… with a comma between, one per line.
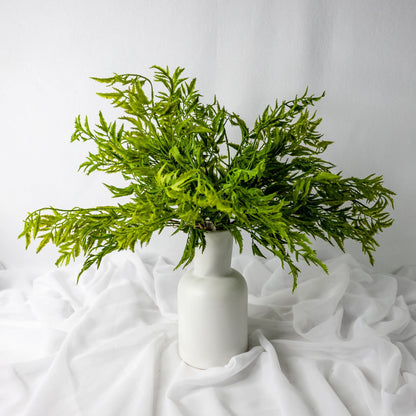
x=342, y=344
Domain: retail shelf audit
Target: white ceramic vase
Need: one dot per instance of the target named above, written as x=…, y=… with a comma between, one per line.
x=212, y=306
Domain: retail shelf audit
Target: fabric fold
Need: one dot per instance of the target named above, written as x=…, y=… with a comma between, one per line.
x=342, y=344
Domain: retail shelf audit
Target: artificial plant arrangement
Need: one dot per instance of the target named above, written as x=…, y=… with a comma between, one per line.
x=184, y=169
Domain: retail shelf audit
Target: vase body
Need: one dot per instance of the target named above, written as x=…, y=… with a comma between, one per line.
x=212, y=306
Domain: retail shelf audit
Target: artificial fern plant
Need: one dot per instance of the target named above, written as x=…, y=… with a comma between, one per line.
x=184, y=170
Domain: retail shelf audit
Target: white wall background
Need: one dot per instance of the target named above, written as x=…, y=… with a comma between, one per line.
x=363, y=53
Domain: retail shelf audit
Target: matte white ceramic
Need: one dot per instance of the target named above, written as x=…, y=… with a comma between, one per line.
x=212, y=306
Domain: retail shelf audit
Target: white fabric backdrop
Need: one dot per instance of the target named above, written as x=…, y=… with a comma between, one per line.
x=246, y=52
x=343, y=344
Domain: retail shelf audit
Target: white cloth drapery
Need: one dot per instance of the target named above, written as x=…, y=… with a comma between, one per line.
x=342, y=344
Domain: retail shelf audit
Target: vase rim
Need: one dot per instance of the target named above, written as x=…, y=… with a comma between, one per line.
x=217, y=234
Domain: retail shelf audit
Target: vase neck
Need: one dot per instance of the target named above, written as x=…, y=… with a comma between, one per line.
x=215, y=260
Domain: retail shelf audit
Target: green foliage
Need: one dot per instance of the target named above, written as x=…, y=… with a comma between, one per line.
x=182, y=170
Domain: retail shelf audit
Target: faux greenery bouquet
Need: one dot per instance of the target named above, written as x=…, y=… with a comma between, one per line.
x=182, y=170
